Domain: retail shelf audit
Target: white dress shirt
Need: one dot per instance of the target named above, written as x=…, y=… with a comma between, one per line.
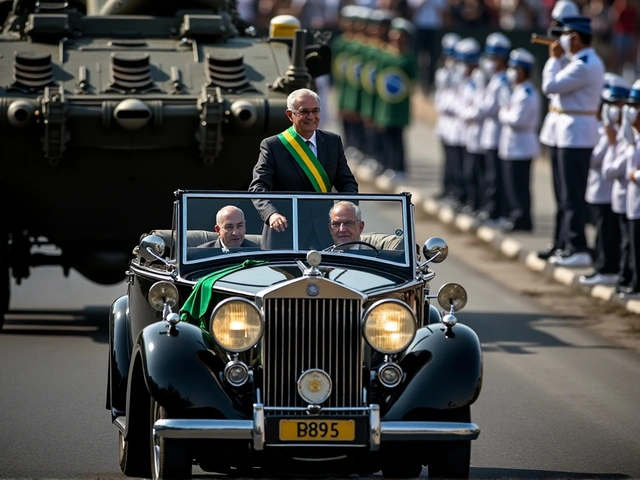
x=313, y=145
x=497, y=88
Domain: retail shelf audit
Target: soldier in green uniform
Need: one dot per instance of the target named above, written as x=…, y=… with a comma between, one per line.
x=397, y=74
x=352, y=86
x=377, y=38
x=340, y=49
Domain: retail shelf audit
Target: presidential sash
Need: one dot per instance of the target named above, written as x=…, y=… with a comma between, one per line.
x=306, y=159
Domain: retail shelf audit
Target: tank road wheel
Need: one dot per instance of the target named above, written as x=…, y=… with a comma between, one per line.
x=169, y=458
x=451, y=460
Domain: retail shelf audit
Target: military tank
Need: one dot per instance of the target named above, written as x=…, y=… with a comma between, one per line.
x=109, y=106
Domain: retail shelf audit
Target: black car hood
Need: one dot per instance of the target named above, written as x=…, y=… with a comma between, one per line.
x=253, y=280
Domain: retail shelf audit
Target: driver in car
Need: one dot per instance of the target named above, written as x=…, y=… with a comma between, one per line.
x=231, y=228
x=345, y=224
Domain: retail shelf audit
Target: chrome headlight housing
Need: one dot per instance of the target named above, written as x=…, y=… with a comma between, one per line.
x=236, y=324
x=389, y=326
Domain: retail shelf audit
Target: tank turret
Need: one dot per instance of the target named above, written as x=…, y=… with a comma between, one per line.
x=108, y=106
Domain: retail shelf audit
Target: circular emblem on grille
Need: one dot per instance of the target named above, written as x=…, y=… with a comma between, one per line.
x=314, y=386
x=313, y=290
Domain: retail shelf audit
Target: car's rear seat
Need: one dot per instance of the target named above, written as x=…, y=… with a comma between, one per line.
x=196, y=238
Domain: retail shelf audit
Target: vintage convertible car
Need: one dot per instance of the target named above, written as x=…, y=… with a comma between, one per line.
x=285, y=358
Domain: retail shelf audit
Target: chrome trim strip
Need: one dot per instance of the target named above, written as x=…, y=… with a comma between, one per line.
x=316, y=445
x=374, y=428
x=204, y=429
x=429, y=431
x=294, y=214
x=258, y=427
x=326, y=409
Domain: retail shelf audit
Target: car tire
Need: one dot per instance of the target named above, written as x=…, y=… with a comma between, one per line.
x=169, y=457
x=401, y=460
x=451, y=460
x=133, y=461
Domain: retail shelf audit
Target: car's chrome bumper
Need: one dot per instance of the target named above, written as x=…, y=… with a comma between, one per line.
x=254, y=429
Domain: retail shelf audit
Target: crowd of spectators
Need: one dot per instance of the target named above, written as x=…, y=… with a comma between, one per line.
x=615, y=22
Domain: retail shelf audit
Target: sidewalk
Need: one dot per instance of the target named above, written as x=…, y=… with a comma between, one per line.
x=425, y=165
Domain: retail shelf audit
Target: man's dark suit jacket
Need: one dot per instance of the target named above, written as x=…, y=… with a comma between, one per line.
x=218, y=244
x=278, y=171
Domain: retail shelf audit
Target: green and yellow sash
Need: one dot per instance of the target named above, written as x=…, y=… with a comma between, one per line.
x=306, y=159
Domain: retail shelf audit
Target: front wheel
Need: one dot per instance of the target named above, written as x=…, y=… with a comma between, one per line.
x=451, y=460
x=133, y=457
x=170, y=457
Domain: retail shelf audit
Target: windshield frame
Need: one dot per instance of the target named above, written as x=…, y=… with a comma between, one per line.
x=186, y=266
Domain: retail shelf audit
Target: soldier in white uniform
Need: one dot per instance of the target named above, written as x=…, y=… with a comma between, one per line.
x=614, y=168
x=632, y=119
x=445, y=85
x=598, y=194
x=467, y=53
x=578, y=85
x=563, y=8
x=496, y=94
x=519, y=140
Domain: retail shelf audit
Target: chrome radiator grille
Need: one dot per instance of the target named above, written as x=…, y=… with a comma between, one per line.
x=301, y=334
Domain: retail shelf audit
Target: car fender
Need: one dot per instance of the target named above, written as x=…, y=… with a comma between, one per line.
x=443, y=371
x=119, y=356
x=180, y=371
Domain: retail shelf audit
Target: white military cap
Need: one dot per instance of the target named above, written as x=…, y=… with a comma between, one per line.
x=615, y=88
x=448, y=42
x=403, y=25
x=521, y=58
x=497, y=45
x=467, y=50
x=634, y=95
x=564, y=8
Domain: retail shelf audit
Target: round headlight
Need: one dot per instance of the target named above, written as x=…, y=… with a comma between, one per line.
x=389, y=326
x=236, y=324
x=161, y=293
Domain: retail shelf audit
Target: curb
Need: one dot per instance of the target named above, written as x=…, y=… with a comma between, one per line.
x=506, y=245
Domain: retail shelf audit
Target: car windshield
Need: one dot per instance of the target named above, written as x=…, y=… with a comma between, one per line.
x=217, y=225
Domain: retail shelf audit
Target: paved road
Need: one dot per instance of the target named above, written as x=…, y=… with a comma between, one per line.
x=557, y=401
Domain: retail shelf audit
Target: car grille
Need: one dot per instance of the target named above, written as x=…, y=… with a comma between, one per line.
x=302, y=334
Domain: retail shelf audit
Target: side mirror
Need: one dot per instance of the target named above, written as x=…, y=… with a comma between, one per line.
x=452, y=297
x=152, y=248
x=435, y=250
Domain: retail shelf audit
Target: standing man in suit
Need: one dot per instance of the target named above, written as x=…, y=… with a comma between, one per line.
x=301, y=159
x=231, y=228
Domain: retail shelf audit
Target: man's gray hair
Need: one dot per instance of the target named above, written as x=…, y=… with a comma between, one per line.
x=293, y=97
x=351, y=205
x=229, y=208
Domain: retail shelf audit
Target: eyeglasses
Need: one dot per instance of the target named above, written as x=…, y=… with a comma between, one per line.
x=347, y=224
x=304, y=112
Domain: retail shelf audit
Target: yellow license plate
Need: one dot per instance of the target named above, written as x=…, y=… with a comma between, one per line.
x=318, y=430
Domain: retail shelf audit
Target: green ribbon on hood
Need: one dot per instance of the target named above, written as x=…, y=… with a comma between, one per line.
x=199, y=305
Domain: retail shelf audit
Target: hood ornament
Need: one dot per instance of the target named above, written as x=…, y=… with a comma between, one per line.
x=313, y=259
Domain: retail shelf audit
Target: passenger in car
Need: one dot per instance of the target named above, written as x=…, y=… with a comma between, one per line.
x=231, y=228
x=345, y=223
